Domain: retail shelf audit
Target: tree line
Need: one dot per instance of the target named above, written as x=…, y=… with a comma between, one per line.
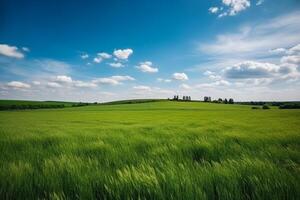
x=219, y=100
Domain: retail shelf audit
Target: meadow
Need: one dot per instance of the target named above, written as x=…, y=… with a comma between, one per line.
x=151, y=150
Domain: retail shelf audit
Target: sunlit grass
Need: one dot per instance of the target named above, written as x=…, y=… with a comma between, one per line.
x=159, y=150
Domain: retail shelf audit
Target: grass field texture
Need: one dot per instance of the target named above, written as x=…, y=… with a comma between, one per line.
x=154, y=150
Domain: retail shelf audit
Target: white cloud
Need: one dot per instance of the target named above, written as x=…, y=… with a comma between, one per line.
x=10, y=51
x=84, y=56
x=123, y=78
x=150, y=92
x=293, y=59
x=98, y=60
x=113, y=80
x=180, y=76
x=164, y=80
x=82, y=84
x=147, y=67
x=101, y=56
x=116, y=65
x=278, y=50
x=123, y=54
x=26, y=49
x=104, y=55
x=212, y=75
x=213, y=9
x=258, y=39
x=142, y=87
x=294, y=50
x=18, y=85
x=232, y=7
x=63, y=79
x=53, y=85
x=251, y=69
x=216, y=84
x=236, y=6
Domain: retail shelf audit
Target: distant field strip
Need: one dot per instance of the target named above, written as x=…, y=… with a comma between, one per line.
x=150, y=150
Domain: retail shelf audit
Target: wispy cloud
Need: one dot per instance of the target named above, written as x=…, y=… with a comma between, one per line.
x=256, y=39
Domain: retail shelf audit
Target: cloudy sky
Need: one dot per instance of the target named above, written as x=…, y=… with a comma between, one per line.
x=111, y=50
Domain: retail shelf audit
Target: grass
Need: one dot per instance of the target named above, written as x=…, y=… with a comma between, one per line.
x=154, y=150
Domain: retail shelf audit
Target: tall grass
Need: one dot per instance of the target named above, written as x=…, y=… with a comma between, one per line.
x=160, y=150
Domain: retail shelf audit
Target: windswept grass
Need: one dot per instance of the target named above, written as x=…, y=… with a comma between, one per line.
x=155, y=150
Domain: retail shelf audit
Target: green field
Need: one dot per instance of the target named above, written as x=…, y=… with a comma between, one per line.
x=154, y=150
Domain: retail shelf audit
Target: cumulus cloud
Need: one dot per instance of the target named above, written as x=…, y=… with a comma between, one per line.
x=10, y=51
x=18, y=85
x=113, y=80
x=180, y=76
x=236, y=6
x=251, y=69
x=293, y=59
x=147, y=67
x=123, y=54
x=232, y=7
x=116, y=65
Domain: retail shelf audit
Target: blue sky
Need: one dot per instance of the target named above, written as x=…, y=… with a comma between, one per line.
x=109, y=50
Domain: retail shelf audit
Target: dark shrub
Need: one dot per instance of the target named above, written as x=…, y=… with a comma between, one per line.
x=255, y=107
x=265, y=107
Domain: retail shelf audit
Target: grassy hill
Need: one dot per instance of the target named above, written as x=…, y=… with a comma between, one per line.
x=153, y=150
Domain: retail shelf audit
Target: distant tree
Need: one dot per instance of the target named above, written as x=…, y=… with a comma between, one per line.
x=231, y=101
x=190, y=98
x=225, y=101
x=207, y=99
x=220, y=100
x=183, y=98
